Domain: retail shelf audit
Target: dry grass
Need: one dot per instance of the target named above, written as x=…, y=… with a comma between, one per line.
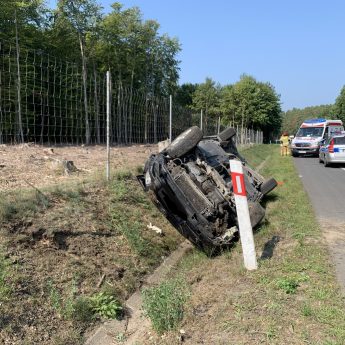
x=63, y=245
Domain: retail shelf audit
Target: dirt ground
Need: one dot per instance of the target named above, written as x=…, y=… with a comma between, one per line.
x=39, y=166
x=72, y=240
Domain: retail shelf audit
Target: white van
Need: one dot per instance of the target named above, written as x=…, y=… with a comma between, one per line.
x=311, y=133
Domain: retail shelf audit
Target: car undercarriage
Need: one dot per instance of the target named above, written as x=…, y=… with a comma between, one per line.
x=190, y=183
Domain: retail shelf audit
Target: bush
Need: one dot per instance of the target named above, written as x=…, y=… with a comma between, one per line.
x=106, y=306
x=164, y=303
x=289, y=285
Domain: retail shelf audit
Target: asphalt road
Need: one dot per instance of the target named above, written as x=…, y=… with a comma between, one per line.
x=326, y=189
x=325, y=186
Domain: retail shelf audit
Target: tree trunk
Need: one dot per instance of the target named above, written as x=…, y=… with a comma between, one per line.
x=119, y=124
x=146, y=119
x=98, y=134
x=131, y=109
x=154, y=108
x=242, y=129
x=1, y=111
x=19, y=101
x=86, y=107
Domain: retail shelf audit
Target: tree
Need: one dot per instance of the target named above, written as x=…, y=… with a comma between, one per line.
x=339, y=107
x=207, y=98
x=254, y=104
x=29, y=15
x=84, y=16
x=293, y=118
x=138, y=56
x=20, y=18
x=184, y=94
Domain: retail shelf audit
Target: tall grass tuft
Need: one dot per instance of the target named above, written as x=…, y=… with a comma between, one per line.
x=164, y=304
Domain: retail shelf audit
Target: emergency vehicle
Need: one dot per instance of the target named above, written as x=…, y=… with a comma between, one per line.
x=312, y=134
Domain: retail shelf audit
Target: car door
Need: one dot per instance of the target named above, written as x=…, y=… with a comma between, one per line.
x=324, y=148
x=339, y=148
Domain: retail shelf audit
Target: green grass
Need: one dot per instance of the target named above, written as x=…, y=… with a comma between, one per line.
x=23, y=204
x=255, y=155
x=164, y=304
x=71, y=306
x=128, y=208
x=5, y=271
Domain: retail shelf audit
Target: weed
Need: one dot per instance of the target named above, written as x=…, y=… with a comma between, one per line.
x=289, y=285
x=65, y=307
x=72, y=194
x=164, y=304
x=120, y=337
x=82, y=309
x=22, y=204
x=5, y=289
x=106, y=306
x=64, y=338
x=306, y=310
x=54, y=296
x=122, y=175
x=271, y=333
x=132, y=232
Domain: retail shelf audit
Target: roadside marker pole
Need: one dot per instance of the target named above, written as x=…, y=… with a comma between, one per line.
x=108, y=129
x=245, y=226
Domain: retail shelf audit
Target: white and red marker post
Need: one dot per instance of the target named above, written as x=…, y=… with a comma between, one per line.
x=245, y=226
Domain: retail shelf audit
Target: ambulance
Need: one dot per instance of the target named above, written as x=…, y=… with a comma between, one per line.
x=312, y=134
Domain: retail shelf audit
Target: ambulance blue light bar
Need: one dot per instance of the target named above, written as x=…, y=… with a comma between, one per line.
x=315, y=121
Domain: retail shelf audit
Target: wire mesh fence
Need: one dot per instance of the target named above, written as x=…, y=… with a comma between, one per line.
x=46, y=100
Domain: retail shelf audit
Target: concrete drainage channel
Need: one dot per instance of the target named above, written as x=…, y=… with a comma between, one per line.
x=134, y=327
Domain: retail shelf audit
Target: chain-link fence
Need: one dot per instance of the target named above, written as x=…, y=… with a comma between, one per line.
x=45, y=100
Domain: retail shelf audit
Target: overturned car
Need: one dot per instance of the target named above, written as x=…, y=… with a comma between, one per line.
x=189, y=182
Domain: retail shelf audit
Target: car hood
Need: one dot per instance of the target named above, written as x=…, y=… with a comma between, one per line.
x=312, y=140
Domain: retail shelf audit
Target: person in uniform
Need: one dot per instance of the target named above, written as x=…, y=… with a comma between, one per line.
x=284, y=144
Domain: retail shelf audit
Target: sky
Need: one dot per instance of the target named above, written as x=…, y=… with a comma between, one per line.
x=297, y=46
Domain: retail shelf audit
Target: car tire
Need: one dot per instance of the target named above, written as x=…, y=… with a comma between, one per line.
x=326, y=164
x=268, y=185
x=256, y=213
x=227, y=134
x=184, y=142
x=294, y=154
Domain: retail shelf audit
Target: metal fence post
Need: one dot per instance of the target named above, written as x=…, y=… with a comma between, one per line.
x=108, y=131
x=201, y=120
x=170, y=118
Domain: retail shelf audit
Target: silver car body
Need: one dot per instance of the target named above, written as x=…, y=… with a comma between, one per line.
x=333, y=150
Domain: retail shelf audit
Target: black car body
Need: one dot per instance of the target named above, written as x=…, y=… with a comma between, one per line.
x=189, y=182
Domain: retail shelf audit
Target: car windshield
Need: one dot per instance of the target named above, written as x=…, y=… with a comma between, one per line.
x=310, y=132
x=339, y=141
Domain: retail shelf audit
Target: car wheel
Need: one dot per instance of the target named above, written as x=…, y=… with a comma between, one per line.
x=294, y=154
x=227, y=134
x=256, y=212
x=268, y=185
x=184, y=142
x=326, y=164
